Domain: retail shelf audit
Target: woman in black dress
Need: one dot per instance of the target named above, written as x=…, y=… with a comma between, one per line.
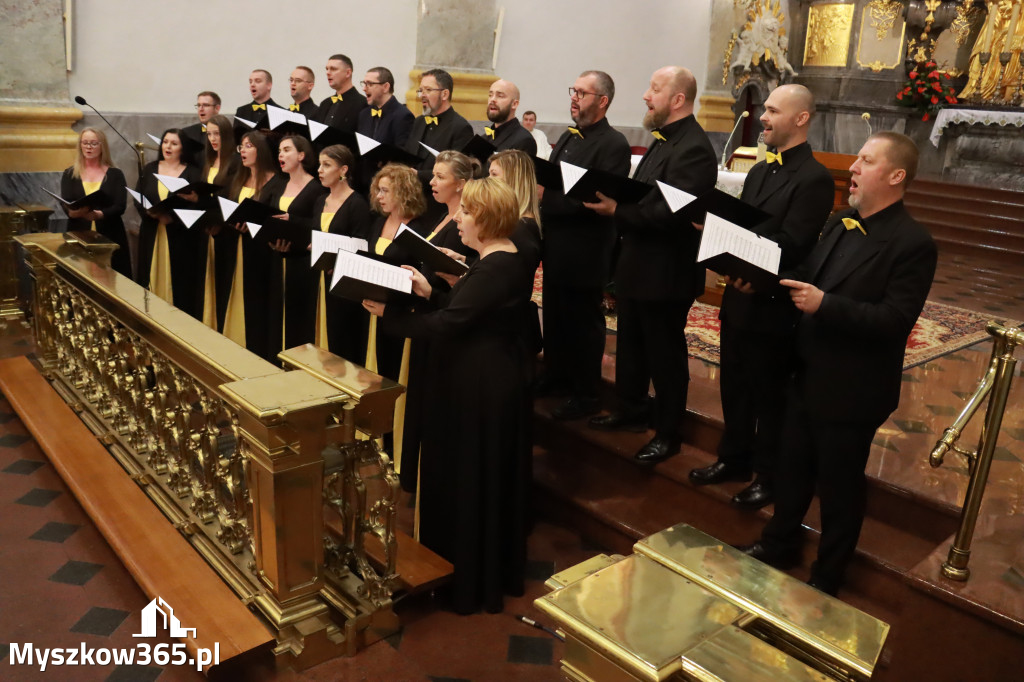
x=94, y=171
x=475, y=465
x=222, y=163
x=516, y=169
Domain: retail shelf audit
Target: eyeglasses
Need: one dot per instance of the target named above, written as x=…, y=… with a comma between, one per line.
x=367, y=84
x=90, y=143
x=420, y=91
x=297, y=80
x=579, y=94
x=240, y=147
x=204, y=105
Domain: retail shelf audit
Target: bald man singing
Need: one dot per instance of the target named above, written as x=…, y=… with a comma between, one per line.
x=505, y=131
x=759, y=327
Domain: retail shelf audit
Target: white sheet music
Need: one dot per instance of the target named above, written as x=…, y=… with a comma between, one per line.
x=721, y=236
x=277, y=116
x=172, y=184
x=155, y=139
x=189, y=216
x=325, y=242
x=227, y=207
x=251, y=124
x=315, y=128
x=366, y=144
x=254, y=228
x=430, y=149
x=146, y=203
x=571, y=175
x=369, y=270
x=675, y=197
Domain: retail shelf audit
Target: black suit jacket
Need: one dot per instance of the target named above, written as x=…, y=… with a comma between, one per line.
x=578, y=242
x=246, y=111
x=658, y=257
x=343, y=113
x=451, y=131
x=851, y=349
x=512, y=135
x=798, y=195
x=197, y=133
x=391, y=127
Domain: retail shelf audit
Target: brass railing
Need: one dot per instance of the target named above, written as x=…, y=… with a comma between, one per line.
x=995, y=386
x=244, y=458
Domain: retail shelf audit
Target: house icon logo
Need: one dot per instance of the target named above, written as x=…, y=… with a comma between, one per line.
x=158, y=608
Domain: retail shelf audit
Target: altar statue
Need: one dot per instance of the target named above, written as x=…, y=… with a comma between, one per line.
x=1003, y=32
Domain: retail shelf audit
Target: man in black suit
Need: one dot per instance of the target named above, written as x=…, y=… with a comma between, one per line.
x=386, y=119
x=341, y=110
x=300, y=85
x=759, y=327
x=260, y=85
x=657, y=278
x=860, y=291
x=440, y=127
x=207, y=105
x=505, y=131
x=578, y=250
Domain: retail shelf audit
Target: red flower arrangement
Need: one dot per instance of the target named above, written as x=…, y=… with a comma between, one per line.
x=927, y=90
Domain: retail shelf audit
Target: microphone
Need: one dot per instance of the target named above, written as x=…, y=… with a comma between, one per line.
x=867, y=120
x=725, y=150
x=138, y=158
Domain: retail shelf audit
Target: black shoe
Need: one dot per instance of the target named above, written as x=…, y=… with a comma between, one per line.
x=756, y=495
x=635, y=421
x=576, y=408
x=719, y=472
x=780, y=560
x=658, y=450
x=823, y=586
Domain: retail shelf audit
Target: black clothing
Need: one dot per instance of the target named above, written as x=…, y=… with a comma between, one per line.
x=341, y=111
x=247, y=112
x=392, y=126
x=307, y=108
x=512, y=135
x=112, y=207
x=451, y=131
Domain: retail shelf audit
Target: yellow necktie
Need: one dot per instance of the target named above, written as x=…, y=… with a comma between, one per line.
x=336, y=98
x=852, y=224
x=658, y=136
x=489, y=132
x=375, y=112
x=257, y=107
x=575, y=131
x=773, y=157
x=204, y=129
x=293, y=107
x=430, y=119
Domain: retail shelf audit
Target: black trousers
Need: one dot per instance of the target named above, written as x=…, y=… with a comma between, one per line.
x=755, y=373
x=652, y=348
x=574, y=336
x=831, y=456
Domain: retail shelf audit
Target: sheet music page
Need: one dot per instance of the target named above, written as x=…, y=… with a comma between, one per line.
x=276, y=116
x=171, y=183
x=571, y=175
x=369, y=270
x=227, y=207
x=325, y=242
x=429, y=148
x=675, y=197
x=721, y=236
x=254, y=229
x=146, y=203
x=189, y=216
x=251, y=124
x=315, y=128
x=366, y=144
x=155, y=139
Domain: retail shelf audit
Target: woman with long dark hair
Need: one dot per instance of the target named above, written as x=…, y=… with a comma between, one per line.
x=222, y=163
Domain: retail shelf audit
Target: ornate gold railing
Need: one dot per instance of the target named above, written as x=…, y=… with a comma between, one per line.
x=244, y=458
x=995, y=386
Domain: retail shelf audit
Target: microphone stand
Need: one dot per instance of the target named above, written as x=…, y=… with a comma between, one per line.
x=725, y=150
x=138, y=158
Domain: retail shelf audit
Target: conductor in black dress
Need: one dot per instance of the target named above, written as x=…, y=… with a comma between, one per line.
x=860, y=292
x=341, y=110
x=759, y=327
x=260, y=85
x=386, y=119
x=657, y=278
x=505, y=131
x=578, y=251
x=440, y=127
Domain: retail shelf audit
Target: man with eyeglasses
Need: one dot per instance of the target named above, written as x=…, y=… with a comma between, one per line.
x=440, y=127
x=341, y=110
x=505, y=131
x=207, y=105
x=300, y=85
x=260, y=84
x=577, y=252
x=385, y=119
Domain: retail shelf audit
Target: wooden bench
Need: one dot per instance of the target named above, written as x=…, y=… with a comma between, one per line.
x=162, y=562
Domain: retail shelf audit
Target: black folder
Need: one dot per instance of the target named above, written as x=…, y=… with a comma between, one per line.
x=620, y=188
x=548, y=174
x=357, y=290
x=726, y=206
x=252, y=211
x=479, y=147
x=733, y=266
x=275, y=228
x=385, y=153
x=428, y=254
x=97, y=198
x=325, y=261
x=331, y=135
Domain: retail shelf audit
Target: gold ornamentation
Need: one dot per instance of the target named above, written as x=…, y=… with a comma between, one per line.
x=883, y=16
x=828, y=35
x=961, y=26
x=727, y=59
x=763, y=36
x=884, y=51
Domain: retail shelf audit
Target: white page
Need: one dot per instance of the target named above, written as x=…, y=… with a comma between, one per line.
x=721, y=236
x=675, y=197
x=277, y=116
x=227, y=207
x=430, y=149
x=571, y=175
x=366, y=144
x=251, y=124
x=369, y=270
x=189, y=216
x=253, y=228
x=171, y=183
x=325, y=242
x=315, y=128
x=155, y=139
x=146, y=203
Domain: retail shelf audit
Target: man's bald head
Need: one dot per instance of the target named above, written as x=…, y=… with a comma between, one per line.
x=502, y=101
x=684, y=81
x=787, y=116
x=670, y=97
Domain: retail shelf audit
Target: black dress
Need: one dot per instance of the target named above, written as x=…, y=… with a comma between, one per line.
x=112, y=205
x=475, y=466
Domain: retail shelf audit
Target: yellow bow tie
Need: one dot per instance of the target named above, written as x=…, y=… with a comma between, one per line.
x=852, y=224
x=575, y=131
x=489, y=132
x=293, y=107
x=430, y=119
x=336, y=98
x=204, y=129
x=773, y=157
x=375, y=112
x=257, y=107
x=658, y=136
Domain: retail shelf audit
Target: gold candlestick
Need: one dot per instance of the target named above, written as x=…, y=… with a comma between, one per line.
x=1004, y=61
x=983, y=59
x=1020, y=80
